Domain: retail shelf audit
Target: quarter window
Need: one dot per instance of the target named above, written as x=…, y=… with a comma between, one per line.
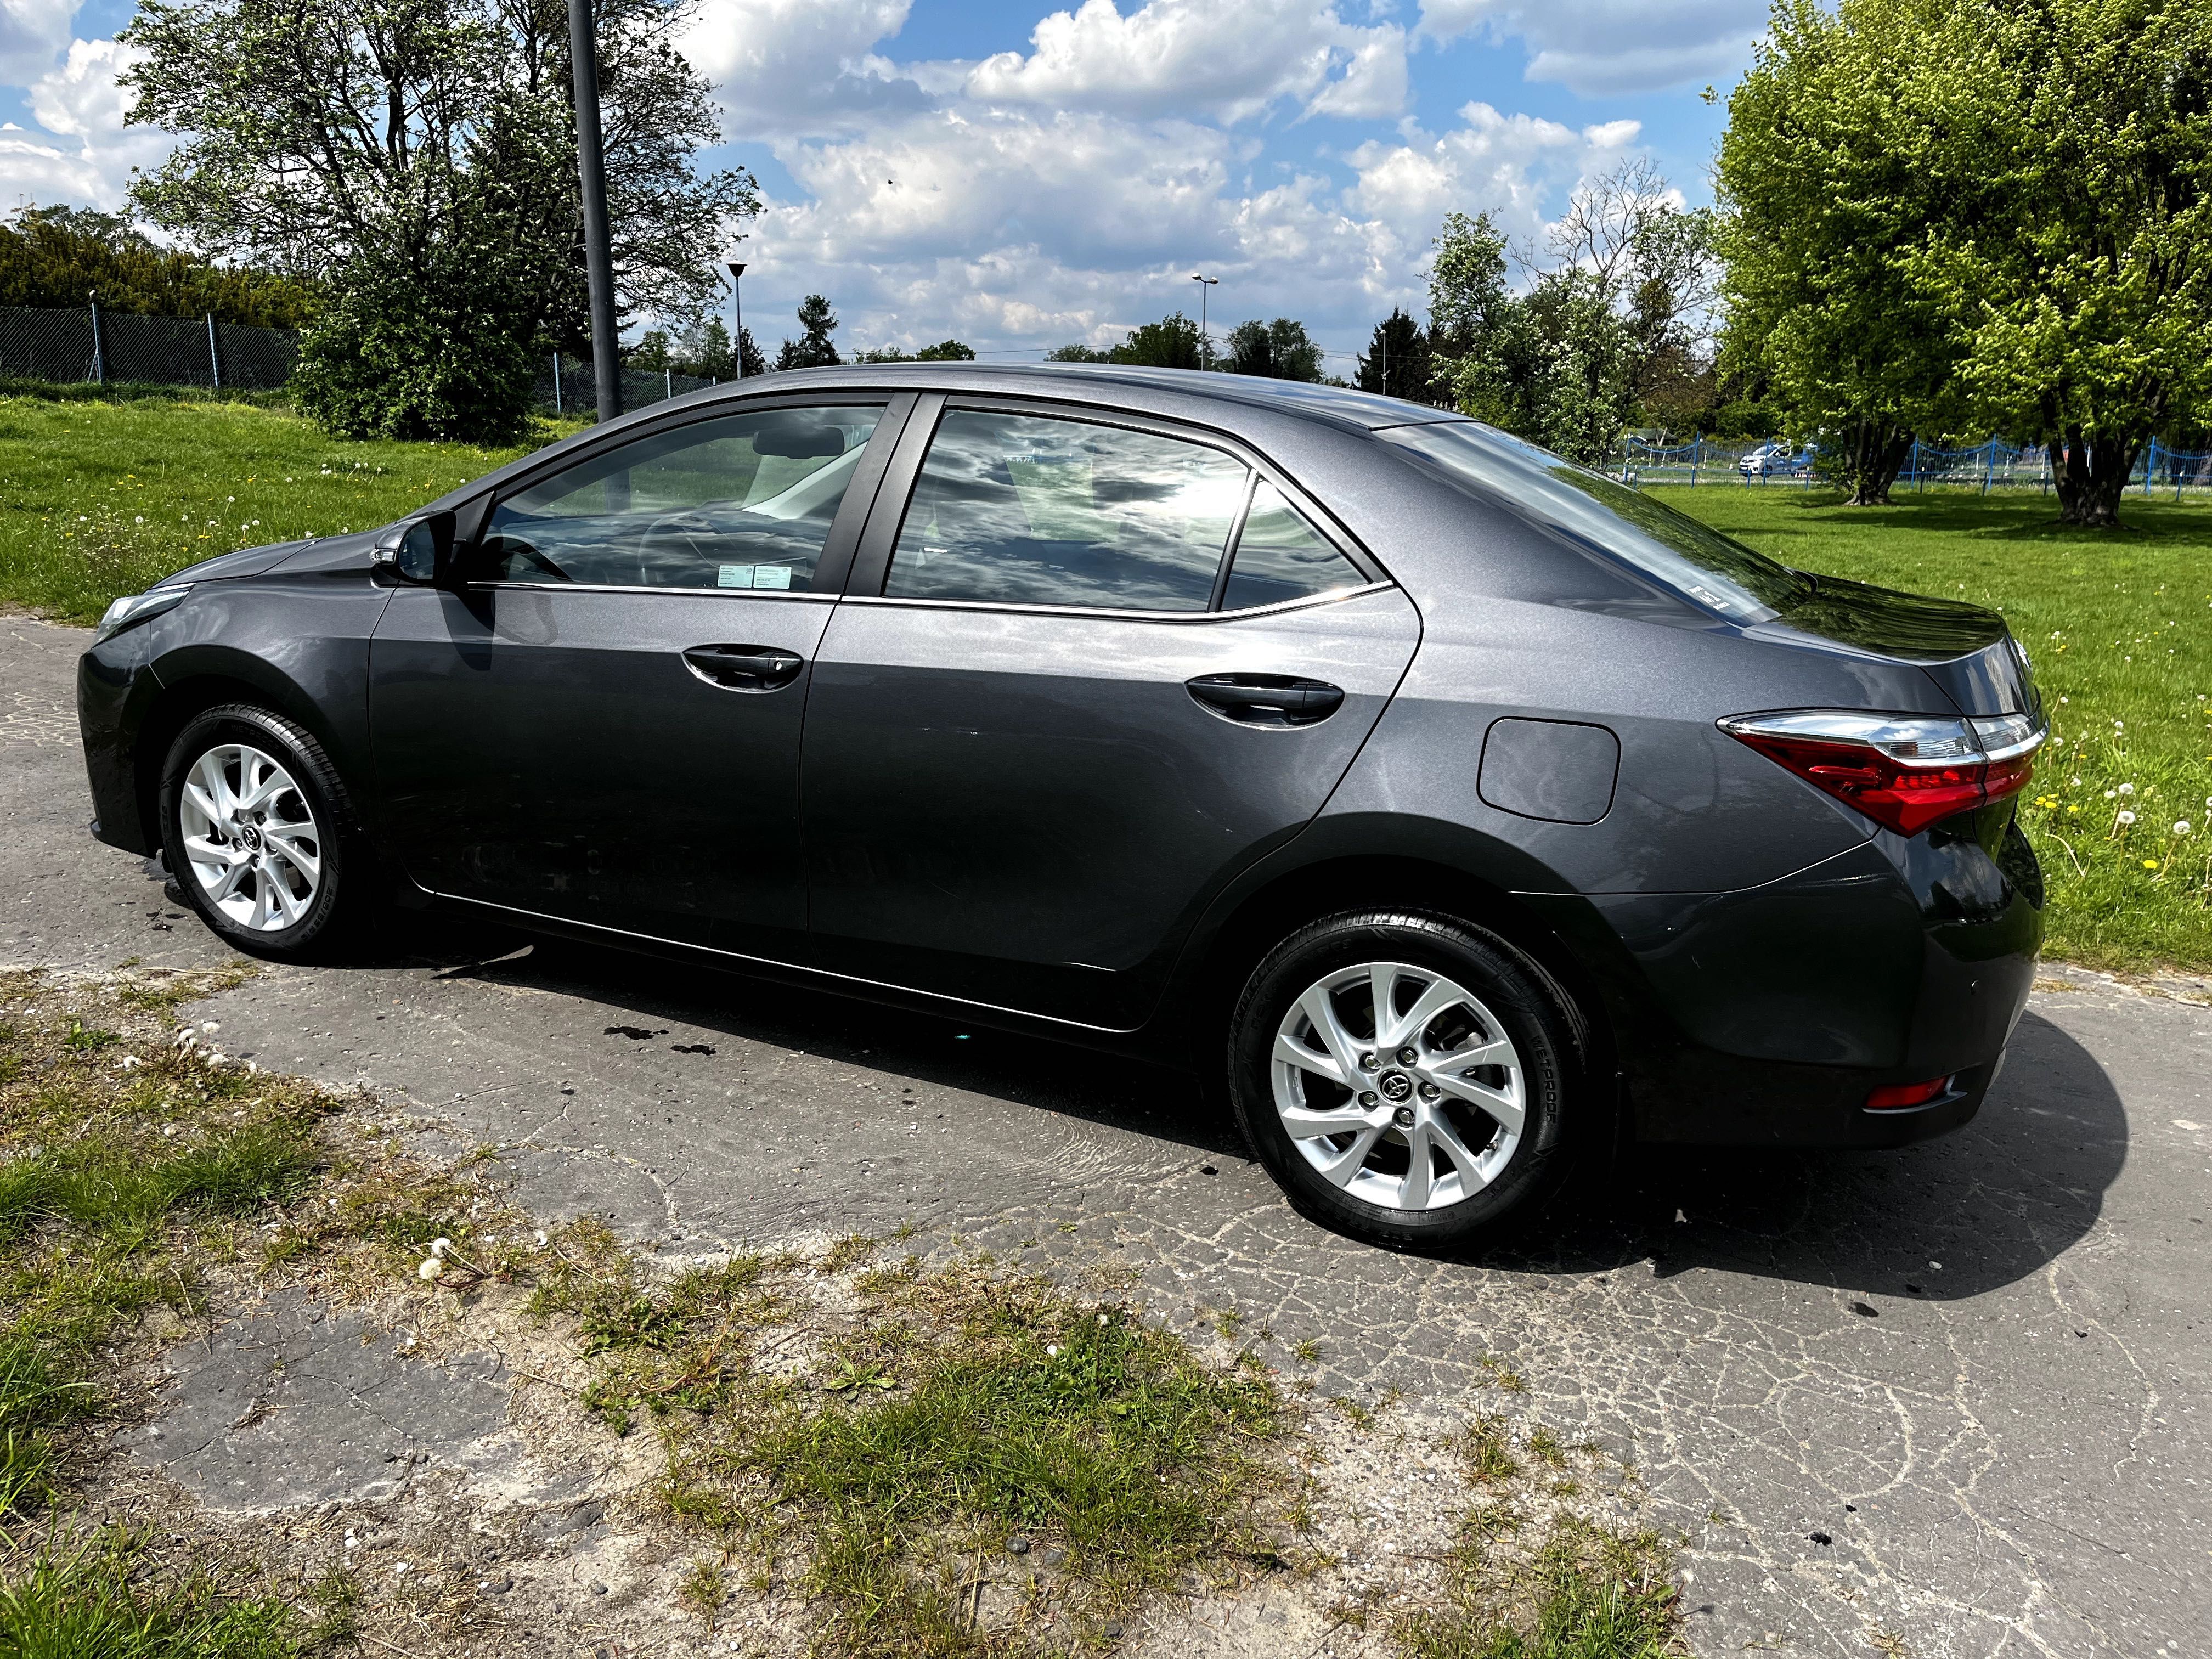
x=1281, y=556
x=1027, y=509
x=742, y=502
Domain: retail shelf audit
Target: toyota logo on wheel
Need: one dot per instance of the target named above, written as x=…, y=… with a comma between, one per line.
x=1396, y=1084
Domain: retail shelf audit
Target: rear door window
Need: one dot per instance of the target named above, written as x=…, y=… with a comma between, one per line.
x=1281, y=555
x=1025, y=509
x=734, y=501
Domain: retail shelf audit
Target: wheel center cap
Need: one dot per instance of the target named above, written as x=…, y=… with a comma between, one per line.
x=1396, y=1086
x=251, y=837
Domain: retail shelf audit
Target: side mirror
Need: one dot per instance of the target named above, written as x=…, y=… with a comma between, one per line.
x=418, y=551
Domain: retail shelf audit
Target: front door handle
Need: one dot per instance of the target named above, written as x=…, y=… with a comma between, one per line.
x=745, y=667
x=1265, y=699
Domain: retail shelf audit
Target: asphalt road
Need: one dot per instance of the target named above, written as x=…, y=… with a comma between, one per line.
x=1946, y=1401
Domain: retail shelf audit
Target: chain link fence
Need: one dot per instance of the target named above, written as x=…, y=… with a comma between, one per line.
x=2177, y=474
x=565, y=387
x=73, y=346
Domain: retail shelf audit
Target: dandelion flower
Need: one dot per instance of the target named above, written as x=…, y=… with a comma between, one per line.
x=2150, y=864
x=1053, y=1351
x=2127, y=818
x=430, y=1268
x=440, y=1246
x=2181, y=826
x=2127, y=789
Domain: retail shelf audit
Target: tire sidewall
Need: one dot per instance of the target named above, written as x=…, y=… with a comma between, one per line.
x=310, y=772
x=1518, y=993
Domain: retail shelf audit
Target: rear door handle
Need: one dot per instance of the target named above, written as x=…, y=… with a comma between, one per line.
x=745, y=667
x=1265, y=699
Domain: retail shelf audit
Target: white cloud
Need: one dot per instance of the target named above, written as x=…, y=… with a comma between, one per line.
x=1599, y=46
x=90, y=154
x=797, y=68
x=1006, y=224
x=32, y=33
x=1200, y=57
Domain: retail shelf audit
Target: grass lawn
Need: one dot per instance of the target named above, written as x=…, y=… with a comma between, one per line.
x=102, y=499
x=2120, y=628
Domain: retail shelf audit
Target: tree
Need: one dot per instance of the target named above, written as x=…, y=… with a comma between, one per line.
x=2076, y=242
x=319, y=133
x=55, y=256
x=1830, y=197
x=1171, y=342
x=415, y=346
x=1280, y=351
x=1078, y=354
x=813, y=349
x=1396, y=364
x=945, y=352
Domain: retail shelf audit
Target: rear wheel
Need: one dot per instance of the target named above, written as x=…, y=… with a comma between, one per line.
x=258, y=831
x=1406, y=1077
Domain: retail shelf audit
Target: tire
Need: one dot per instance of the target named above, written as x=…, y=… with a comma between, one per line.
x=1495, y=1133
x=283, y=870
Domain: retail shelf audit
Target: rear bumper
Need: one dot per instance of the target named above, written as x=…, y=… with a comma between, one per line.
x=1766, y=1018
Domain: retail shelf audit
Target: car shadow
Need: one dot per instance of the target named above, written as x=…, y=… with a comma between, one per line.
x=1987, y=1205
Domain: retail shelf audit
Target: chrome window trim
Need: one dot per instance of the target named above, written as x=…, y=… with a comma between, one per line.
x=1334, y=595
x=787, y=595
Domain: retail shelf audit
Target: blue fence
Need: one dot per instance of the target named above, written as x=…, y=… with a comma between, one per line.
x=1996, y=464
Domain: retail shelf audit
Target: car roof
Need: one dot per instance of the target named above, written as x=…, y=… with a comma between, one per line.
x=1233, y=402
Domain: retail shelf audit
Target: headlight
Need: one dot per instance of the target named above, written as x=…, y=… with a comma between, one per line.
x=136, y=607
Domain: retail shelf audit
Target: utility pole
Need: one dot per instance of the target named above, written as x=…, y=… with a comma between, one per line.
x=591, y=164
x=737, y=313
x=1206, y=285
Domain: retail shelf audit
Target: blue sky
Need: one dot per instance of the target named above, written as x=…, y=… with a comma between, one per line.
x=1021, y=175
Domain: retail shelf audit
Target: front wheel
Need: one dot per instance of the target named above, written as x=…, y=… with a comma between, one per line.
x=1407, y=1079
x=258, y=831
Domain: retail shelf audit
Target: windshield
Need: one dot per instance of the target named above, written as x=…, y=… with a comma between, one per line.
x=1717, y=571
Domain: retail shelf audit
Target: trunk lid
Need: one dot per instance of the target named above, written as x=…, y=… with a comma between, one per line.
x=1966, y=649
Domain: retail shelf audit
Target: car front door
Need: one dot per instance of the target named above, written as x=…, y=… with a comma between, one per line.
x=602, y=722
x=1087, y=670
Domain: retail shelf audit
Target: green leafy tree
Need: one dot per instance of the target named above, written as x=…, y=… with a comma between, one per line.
x=1830, y=194
x=1171, y=342
x=813, y=349
x=56, y=256
x=415, y=346
x=1078, y=354
x=1280, y=351
x=1396, y=363
x=318, y=134
x=947, y=351
x=2077, y=245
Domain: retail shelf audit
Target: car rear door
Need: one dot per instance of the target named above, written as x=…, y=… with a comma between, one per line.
x=1089, y=666
x=602, y=723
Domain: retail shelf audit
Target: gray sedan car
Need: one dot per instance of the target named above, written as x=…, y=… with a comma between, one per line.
x=1456, y=810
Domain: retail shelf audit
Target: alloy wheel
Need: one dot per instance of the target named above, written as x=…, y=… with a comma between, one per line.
x=250, y=837
x=1399, y=1085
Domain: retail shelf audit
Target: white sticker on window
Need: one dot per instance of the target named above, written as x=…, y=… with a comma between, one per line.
x=771, y=575
x=735, y=576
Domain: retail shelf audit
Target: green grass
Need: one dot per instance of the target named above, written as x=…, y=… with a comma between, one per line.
x=2120, y=624
x=964, y=1407
x=100, y=499
x=102, y=1599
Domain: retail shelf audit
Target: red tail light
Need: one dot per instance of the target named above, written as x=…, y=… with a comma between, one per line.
x=1904, y=771
x=1898, y=1096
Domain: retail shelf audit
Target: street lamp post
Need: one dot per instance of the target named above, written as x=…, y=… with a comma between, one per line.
x=591, y=167
x=738, y=315
x=1206, y=285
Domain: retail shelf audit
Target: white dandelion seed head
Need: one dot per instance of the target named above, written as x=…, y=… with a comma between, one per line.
x=430, y=1268
x=2127, y=818
x=2181, y=826
x=2127, y=789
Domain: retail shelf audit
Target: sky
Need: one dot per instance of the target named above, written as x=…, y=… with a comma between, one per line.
x=1020, y=177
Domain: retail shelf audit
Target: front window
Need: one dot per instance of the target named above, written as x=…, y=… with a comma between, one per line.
x=742, y=502
x=1717, y=571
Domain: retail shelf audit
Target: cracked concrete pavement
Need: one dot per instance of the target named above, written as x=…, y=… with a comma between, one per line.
x=1946, y=1401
